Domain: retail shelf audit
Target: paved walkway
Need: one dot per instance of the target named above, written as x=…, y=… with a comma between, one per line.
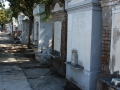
x=11, y=75
x=19, y=70
x=5, y=38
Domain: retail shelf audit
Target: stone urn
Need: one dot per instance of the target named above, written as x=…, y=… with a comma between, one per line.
x=74, y=57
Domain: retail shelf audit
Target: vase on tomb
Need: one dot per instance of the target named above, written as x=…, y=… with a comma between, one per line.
x=74, y=57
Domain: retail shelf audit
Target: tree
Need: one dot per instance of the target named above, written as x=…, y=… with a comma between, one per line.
x=8, y=15
x=5, y=16
x=26, y=6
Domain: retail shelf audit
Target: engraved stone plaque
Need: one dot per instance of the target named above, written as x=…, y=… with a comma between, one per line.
x=80, y=33
x=57, y=35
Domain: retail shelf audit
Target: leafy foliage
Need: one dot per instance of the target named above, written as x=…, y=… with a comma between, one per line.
x=8, y=15
x=5, y=16
x=47, y=4
x=26, y=6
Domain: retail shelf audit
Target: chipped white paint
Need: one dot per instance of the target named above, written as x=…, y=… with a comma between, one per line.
x=57, y=8
x=115, y=41
x=57, y=35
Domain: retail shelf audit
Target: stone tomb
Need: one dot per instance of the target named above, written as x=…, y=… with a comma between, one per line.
x=23, y=26
x=115, y=41
x=42, y=34
x=84, y=35
x=58, y=15
x=42, y=29
x=25, y=32
x=59, y=36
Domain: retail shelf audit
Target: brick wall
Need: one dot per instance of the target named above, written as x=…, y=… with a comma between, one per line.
x=106, y=37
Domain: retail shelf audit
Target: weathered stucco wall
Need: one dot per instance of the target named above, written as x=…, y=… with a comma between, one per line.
x=107, y=6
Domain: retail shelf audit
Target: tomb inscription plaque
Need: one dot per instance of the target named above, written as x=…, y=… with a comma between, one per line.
x=79, y=30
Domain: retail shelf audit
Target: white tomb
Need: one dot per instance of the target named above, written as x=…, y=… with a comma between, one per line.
x=42, y=32
x=58, y=15
x=25, y=32
x=10, y=28
x=42, y=29
x=23, y=26
x=20, y=18
x=115, y=41
x=85, y=36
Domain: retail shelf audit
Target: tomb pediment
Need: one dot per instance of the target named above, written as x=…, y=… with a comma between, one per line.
x=38, y=9
x=57, y=8
x=70, y=2
x=78, y=3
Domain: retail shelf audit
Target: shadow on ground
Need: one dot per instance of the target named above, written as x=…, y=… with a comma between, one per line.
x=39, y=76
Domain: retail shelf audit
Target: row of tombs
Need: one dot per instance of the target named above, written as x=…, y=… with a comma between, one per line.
x=74, y=40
